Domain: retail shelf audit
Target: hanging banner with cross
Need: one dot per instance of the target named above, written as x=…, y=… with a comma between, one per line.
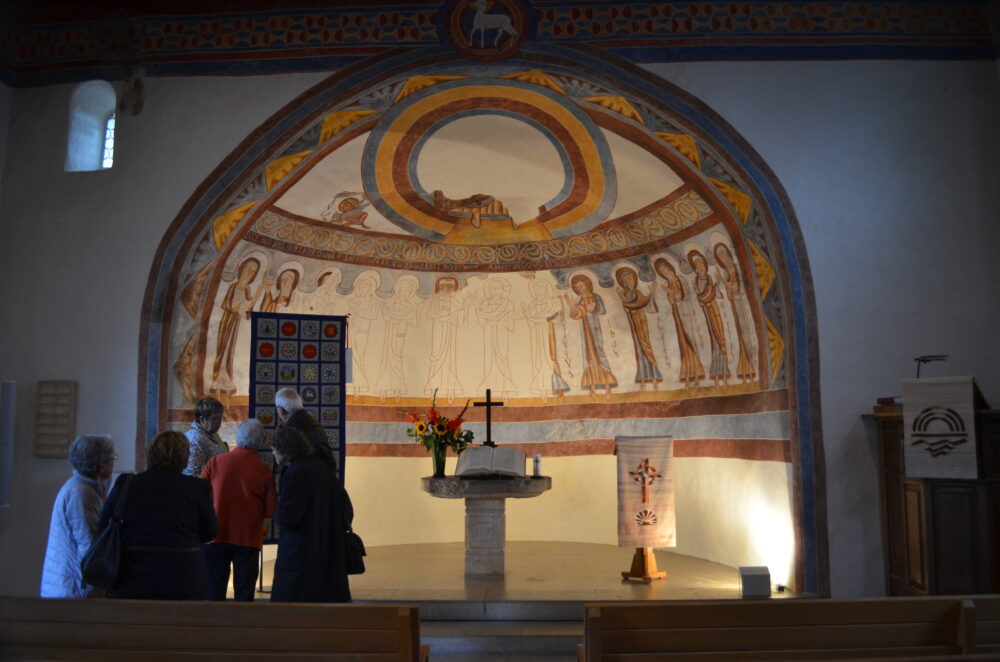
x=646, y=492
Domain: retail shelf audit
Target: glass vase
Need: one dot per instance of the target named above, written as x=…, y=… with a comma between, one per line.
x=438, y=455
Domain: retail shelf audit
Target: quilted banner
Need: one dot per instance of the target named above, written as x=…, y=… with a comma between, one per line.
x=306, y=353
x=646, y=492
x=939, y=438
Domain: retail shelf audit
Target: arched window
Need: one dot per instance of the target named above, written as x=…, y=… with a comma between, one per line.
x=91, y=127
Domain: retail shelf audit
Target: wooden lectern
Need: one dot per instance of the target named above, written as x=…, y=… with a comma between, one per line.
x=643, y=567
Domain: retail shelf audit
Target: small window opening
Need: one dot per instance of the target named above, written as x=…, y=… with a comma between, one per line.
x=90, y=136
x=109, y=143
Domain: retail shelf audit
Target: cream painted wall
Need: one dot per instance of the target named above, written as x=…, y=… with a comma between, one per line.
x=728, y=511
x=891, y=167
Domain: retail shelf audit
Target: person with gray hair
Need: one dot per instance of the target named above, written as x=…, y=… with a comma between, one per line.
x=203, y=435
x=293, y=416
x=244, y=496
x=75, y=515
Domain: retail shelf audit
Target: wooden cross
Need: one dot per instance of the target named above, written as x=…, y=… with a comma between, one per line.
x=489, y=404
x=645, y=475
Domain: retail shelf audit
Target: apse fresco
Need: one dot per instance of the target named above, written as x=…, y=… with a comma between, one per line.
x=529, y=230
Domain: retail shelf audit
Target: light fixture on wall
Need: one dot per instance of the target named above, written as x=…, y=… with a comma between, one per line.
x=755, y=581
x=927, y=358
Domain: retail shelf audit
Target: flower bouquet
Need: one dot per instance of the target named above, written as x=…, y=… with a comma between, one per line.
x=439, y=433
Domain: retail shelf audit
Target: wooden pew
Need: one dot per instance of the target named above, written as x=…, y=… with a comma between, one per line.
x=36, y=628
x=808, y=629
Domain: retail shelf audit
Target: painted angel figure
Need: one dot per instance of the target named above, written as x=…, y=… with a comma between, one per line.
x=541, y=312
x=691, y=369
x=496, y=316
x=448, y=314
x=635, y=304
x=347, y=208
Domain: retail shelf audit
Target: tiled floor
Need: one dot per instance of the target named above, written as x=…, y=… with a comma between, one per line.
x=536, y=571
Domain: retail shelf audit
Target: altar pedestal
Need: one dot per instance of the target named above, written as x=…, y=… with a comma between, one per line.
x=485, y=520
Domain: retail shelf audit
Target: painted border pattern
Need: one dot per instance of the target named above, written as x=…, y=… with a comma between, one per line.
x=45, y=47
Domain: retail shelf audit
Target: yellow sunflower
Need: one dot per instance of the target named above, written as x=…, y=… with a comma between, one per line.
x=420, y=427
x=440, y=427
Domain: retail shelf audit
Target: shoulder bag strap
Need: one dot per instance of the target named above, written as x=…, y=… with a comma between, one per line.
x=120, y=504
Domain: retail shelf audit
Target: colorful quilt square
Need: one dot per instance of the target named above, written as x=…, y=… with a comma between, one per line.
x=264, y=393
x=330, y=351
x=265, y=415
x=309, y=373
x=288, y=373
x=265, y=372
x=308, y=351
x=330, y=416
x=289, y=328
x=331, y=330
x=267, y=328
x=309, y=395
x=330, y=373
x=288, y=350
x=331, y=394
x=266, y=350
x=309, y=330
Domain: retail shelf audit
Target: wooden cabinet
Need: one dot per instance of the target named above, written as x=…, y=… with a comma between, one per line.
x=940, y=536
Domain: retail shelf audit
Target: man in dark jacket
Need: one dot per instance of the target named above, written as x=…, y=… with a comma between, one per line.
x=293, y=416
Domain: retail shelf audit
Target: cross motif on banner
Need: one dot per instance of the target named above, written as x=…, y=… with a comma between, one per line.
x=645, y=475
x=489, y=404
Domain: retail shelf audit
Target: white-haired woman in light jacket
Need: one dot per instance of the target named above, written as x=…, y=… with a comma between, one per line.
x=75, y=515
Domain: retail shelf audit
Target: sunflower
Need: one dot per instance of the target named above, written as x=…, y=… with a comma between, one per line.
x=420, y=427
x=440, y=427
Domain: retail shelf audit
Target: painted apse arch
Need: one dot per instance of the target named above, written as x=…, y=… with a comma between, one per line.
x=588, y=241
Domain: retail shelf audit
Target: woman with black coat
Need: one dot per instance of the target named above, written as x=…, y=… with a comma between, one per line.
x=167, y=518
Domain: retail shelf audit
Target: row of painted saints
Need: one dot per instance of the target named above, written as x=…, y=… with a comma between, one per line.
x=683, y=330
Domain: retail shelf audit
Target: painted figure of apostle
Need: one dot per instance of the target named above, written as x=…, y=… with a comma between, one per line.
x=447, y=314
x=635, y=303
x=588, y=308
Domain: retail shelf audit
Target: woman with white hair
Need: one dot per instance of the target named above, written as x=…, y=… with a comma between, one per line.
x=75, y=515
x=244, y=496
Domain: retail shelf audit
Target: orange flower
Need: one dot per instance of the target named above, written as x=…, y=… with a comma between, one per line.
x=455, y=424
x=432, y=416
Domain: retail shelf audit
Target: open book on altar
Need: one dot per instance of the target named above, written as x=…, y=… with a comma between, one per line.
x=487, y=461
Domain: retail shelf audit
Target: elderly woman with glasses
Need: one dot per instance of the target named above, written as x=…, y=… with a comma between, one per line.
x=203, y=435
x=167, y=517
x=75, y=515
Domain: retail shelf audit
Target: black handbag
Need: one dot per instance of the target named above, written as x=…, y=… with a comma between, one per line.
x=100, y=564
x=354, y=549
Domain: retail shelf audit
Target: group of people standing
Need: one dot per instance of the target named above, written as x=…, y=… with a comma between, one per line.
x=199, y=509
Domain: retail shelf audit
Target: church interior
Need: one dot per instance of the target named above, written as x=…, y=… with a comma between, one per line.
x=730, y=226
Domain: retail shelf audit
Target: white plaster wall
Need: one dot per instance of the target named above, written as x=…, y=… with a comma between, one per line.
x=74, y=259
x=892, y=169
x=890, y=166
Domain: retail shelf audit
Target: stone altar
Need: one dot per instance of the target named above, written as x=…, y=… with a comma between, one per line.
x=485, y=520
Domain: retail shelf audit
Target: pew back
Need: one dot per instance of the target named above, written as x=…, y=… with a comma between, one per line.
x=36, y=628
x=782, y=629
